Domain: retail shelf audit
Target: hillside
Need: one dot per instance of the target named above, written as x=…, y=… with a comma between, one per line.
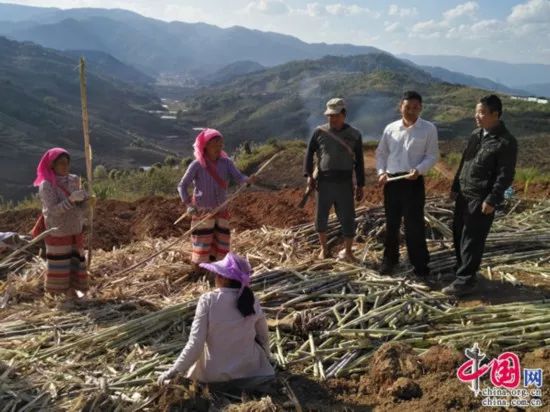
x=287, y=101
x=40, y=108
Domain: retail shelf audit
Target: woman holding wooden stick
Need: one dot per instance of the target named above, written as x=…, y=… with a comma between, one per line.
x=63, y=208
x=209, y=173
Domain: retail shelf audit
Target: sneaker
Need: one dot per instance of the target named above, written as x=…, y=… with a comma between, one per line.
x=386, y=268
x=460, y=287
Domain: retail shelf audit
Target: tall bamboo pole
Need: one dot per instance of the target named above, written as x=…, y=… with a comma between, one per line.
x=88, y=155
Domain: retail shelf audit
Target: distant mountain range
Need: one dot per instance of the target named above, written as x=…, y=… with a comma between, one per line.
x=260, y=85
x=154, y=46
x=182, y=53
x=288, y=100
x=514, y=75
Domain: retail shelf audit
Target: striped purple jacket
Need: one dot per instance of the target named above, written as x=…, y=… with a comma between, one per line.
x=207, y=193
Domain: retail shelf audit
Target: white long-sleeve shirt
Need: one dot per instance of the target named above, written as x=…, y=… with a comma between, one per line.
x=223, y=344
x=404, y=148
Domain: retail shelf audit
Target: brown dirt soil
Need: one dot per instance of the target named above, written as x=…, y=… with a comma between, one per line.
x=118, y=222
x=441, y=359
x=392, y=361
x=405, y=389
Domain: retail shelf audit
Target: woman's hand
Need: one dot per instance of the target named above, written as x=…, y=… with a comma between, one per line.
x=164, y=376
x=192, y=210
x=77, y=196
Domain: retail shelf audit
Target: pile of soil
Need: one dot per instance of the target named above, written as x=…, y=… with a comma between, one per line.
x=392, y=361
x=441, y=358
x=118, y=223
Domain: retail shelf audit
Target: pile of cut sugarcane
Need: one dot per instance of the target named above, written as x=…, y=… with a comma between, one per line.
x=326, y=317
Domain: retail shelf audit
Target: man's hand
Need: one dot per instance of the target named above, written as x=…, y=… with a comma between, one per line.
x=312, y=183
x=453, y=196
x=382, y=179
x=252, y=180
x=359, y=193
x=413, y=174
x=487, y=209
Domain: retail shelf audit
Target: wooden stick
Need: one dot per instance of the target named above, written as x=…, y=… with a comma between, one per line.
x=391, y=179
x=181, y=218
x=88, y=155
x=208, y=216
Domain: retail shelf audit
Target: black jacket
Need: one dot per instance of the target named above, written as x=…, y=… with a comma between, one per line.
x=487, y=166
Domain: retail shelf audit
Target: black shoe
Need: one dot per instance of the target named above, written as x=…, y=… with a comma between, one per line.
x=460, y=287
x=423, y=273
x=386, y=267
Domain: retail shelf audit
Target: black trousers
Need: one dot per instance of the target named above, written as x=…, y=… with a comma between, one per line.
x=470, y=230
x=405, y=199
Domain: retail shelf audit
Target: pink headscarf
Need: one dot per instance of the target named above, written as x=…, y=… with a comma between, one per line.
x=231, y=267
x=45, y=171
x=202, y=140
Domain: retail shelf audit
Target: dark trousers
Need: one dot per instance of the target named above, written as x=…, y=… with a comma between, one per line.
x=337, y=193
x=405, y=199
x=470, y=230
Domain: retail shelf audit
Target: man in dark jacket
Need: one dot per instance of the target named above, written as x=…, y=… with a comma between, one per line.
x=339, y=150
x=486, y=170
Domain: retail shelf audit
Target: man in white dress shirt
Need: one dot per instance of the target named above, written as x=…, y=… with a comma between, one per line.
x=408, y=147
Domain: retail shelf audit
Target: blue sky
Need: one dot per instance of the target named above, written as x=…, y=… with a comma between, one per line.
x=508, y=30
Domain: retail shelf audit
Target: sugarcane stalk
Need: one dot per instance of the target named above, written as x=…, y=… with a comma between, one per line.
x=88, y=156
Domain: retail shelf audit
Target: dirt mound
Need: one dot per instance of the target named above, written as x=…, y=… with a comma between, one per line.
x=392, y=361
x=441, y=359
x=118, y=222
x=20, y=221
x=275, y=208
x=405, y=388
x=286, y=171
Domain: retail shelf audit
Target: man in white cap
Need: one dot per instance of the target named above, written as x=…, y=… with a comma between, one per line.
x=339, y=150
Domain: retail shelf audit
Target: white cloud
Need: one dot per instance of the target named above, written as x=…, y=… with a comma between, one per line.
x=397, y=11
x=429, y=29
x=483, y=29
x=533, y=11
x=448, y=26
x=464, y=9
x=312, y=10
x=392, y=27
x=271, y=7
x=428, y=26
x=340, y=9
x=336, y=9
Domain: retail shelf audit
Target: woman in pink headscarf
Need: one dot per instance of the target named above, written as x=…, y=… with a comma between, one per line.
x=63, y=208
x=229, y=336
x=209, y=173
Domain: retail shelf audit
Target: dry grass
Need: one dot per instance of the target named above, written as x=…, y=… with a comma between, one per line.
x=326, y=317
